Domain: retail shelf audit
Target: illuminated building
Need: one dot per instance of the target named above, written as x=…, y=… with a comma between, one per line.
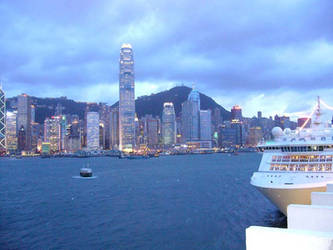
x=205, y=125
x=168, y=124
x=11, y=135
x=92, y=130
x=63, y=125
x=126, y=99
x=236, y=113
x=73, y=138
x=52, y=133
x=2, y=121
x=191, y=117
x=24, y=122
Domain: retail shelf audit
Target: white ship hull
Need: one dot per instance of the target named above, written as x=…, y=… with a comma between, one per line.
x=282, y=197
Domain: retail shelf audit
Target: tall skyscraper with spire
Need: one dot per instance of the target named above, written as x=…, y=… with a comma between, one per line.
x=126, y=99
x=2, y=121
x=191, y=117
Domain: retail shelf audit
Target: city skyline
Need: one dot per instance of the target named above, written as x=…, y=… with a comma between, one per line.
x=274, y=58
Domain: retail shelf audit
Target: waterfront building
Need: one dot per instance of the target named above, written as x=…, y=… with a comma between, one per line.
x=24, y=122
x=104, y=117
x=126, y=99
x=3, y=147
x=216, y=118
x=255, y=136
x=191, y=117
x=52, y=133
x=73, y=136
x=205, y=125
x=114, y=128
x=21, y=137
x=231, y=134
x=236, y=113
x=169, y=124
x=92, y=130
x=36, y=134
x=152, y=131
x=11, y=133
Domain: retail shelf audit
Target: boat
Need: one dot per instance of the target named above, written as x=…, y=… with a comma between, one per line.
x=296, y=163
x=86, y=172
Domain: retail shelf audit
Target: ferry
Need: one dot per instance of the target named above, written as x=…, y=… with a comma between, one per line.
x=86, y=172
x=296, y=163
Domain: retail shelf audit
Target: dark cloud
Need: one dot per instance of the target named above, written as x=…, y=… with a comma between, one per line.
x=228, y=46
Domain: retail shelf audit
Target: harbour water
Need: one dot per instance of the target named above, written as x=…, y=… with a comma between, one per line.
x=172, y=202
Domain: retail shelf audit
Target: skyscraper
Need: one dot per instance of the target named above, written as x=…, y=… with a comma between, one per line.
x=191, y=117
x=114, y=128
x=2, y=122
x=168, y=124
x=236, y=113
x=24, y=122
x=205, y=125
x=92, y=130
x=52, y=133
x=126, y=99
x=11, y=135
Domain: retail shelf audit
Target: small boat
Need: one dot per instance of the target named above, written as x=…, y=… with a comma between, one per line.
x=85, y=172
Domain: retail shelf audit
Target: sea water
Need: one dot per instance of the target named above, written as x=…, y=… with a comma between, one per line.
x=170, y=202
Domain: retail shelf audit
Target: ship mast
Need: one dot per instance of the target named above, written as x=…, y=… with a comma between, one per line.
x=317, y=120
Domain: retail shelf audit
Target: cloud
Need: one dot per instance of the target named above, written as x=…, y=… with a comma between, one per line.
x=240, y=49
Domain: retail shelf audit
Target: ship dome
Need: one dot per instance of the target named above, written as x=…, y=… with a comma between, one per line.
x=194, y=96
x=277, y=132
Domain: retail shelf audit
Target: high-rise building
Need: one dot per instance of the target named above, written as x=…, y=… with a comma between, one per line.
x=169, y=124
x=52, y=133
x=126, y=99
x=92, y=130
x=254, y=137
x=114, y=128
x=191, y=117
x=24, y=122
x=236, y=113
x=152, y=125
x=36, y=135
x=104, y=118
x=259, y=115
x=231, y=134
x=11, y=135
x=3, y=147
x=73, y=137
x=205, y=125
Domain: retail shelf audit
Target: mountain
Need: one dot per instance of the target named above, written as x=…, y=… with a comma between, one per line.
x=152, y=104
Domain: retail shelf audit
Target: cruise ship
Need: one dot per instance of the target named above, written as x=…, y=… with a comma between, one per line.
x=296, y=162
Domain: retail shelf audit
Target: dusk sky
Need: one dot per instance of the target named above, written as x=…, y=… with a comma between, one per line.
x=273, y=56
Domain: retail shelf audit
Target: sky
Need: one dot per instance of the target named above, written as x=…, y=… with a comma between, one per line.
x=273, y=56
